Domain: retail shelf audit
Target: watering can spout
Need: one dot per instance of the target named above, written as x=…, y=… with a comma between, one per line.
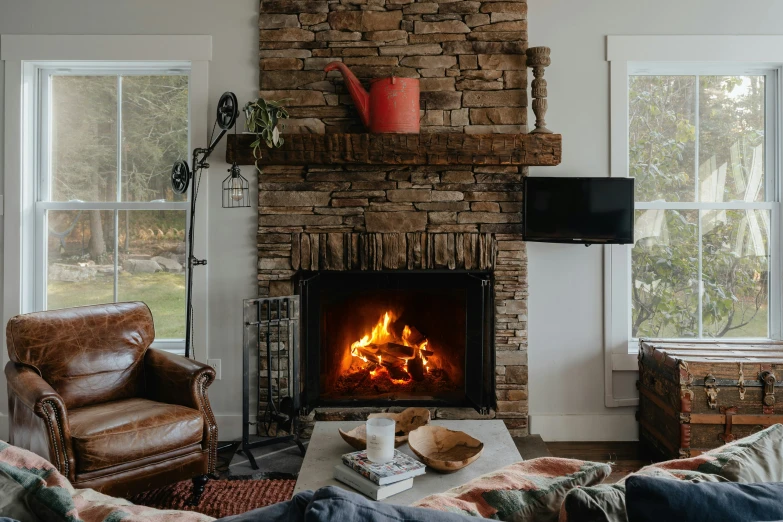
x=361, y=98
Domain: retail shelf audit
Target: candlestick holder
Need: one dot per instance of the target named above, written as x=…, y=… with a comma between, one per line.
x=538, y=59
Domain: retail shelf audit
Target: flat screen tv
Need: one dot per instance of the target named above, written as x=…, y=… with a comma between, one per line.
x=579, y=210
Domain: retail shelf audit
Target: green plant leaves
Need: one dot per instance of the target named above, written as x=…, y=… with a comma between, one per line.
x=263, y=117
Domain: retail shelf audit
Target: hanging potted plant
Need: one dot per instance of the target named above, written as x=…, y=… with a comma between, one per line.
x=263, y=118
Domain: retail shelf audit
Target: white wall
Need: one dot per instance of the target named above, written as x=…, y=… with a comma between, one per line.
x=232, y=233
x=566, y=282
x=566, y=318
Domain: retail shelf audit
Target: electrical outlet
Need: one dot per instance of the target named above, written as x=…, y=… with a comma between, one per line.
x=215, y=363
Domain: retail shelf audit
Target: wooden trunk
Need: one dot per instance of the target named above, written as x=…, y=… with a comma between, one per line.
x=695, y=396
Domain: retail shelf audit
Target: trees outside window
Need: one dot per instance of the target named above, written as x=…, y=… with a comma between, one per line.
x=704, y=205
x=110, y=226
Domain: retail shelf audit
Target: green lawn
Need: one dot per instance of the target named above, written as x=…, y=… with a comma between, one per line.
x=757, y=328
x=164, y=293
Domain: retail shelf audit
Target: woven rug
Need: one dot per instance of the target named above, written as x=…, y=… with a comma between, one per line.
x=221, y=498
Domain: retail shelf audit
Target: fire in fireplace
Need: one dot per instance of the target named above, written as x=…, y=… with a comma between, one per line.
x=397, y=338
x=394, y=359
x=401, y=357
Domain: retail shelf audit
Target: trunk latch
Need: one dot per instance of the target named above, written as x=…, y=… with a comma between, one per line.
x=711, y=389
x=727, y=436
x=768, y=380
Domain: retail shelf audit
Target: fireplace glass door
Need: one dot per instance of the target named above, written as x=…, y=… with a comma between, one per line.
x=397, y=338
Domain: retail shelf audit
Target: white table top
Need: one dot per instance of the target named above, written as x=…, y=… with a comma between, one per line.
x=326, y=447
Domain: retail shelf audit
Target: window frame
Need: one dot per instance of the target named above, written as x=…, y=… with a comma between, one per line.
x=44, y=73
x=692, y=56
x=771, y=188
x=22, y=54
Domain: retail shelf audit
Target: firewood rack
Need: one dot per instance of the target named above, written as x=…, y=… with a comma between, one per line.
x=270, y=372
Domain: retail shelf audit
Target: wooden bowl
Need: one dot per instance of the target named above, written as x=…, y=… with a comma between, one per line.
x=405, y=422
x=444, y=450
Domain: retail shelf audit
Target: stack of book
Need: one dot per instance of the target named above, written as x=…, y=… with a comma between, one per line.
x=378, y=481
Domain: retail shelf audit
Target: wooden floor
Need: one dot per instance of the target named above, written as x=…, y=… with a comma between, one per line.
x=624, y=457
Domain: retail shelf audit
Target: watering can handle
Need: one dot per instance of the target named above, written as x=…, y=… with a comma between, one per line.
x=361, y=97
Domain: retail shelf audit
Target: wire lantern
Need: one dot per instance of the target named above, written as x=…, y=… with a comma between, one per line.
x=236, y=189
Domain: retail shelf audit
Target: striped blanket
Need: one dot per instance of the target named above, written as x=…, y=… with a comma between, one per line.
x=32, y=490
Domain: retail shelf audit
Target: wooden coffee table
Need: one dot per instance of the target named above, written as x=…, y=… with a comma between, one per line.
x=326, y=447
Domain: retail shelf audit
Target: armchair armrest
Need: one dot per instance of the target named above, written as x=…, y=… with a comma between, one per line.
x=173, y=379
x=30, y=396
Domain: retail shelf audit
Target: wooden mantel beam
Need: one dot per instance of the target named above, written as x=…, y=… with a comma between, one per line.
x=402, y=149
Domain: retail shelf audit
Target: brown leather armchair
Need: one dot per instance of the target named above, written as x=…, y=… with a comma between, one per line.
x=86, y=392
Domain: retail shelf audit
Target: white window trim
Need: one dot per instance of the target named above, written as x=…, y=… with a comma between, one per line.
x=21, y=54
x=627, y=54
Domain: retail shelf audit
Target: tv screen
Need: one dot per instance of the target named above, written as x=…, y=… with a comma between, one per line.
x=579, y=210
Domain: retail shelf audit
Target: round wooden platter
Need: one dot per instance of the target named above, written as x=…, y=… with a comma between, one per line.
x=444, y=450
x=405, y=422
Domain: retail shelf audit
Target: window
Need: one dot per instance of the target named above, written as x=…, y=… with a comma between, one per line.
x=702, y=151
x=108, y=227
x=695, y=120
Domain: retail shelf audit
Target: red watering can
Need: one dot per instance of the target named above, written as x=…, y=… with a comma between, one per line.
x=392, y=105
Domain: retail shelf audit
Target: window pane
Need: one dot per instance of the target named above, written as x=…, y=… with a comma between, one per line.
x=80, y=258
x=84, y=138
x=152, y=243
x=662, y=135
x=735, y=267
x=731, y=138
x=154, y=135
x=664, y=279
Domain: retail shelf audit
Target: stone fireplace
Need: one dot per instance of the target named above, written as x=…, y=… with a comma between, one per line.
x=406, y=249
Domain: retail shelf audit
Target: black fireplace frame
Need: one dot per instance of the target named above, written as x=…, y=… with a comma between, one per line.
x=479, y=389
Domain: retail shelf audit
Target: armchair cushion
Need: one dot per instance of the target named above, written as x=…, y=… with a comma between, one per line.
x=116, y=432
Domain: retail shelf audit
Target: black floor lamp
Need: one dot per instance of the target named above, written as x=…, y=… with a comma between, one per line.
x=235, y=193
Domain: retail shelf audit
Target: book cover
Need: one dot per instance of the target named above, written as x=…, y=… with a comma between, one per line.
x=364, y=486
x=399, y=468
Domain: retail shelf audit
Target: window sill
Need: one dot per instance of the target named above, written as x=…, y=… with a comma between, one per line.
x=176, y=346
x=625, y=362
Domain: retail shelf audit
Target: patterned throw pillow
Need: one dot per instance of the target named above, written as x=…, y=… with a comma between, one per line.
x=756, y=458
x=531, y=490
x=27, y=477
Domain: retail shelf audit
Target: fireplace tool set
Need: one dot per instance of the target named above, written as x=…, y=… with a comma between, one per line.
x=270, y=368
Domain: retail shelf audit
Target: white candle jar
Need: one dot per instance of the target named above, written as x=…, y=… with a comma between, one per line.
x=380, y=440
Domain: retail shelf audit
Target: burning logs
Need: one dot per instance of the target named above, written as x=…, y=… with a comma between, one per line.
x=413, y=336
x=398, y=373
x=416, y=369
x=398, y=351
x=368, y=352
x=402, y=353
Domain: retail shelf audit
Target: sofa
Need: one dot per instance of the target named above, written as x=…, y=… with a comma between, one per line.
x=738, y=481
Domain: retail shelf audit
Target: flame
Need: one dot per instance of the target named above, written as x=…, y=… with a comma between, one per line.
x=364, y=349
x=380, y=334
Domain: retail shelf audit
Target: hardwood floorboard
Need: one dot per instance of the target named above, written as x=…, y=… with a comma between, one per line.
x=624, y=457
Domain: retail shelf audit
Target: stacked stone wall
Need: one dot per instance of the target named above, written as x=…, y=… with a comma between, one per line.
x=469, y=57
